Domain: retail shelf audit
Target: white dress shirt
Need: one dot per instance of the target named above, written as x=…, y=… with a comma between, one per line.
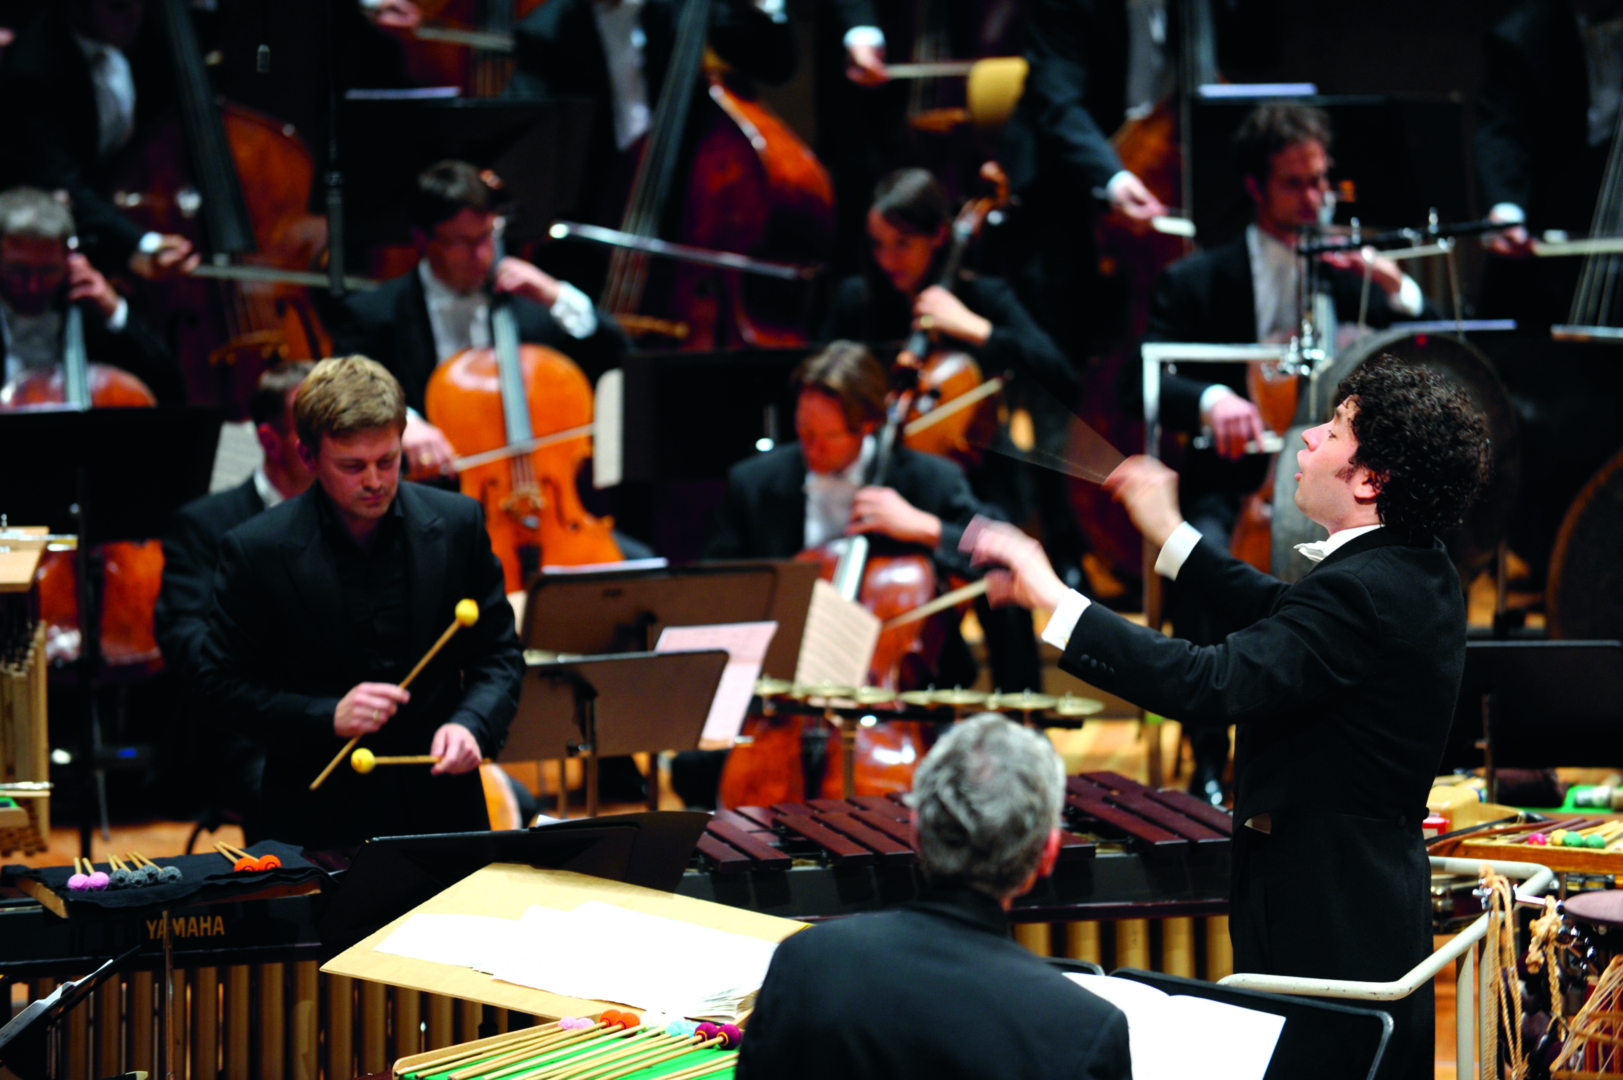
x=268, y=493
x=1174, y=553
x=462, y=321
x=829, y=498
x=114, y=88
x=1603, y=63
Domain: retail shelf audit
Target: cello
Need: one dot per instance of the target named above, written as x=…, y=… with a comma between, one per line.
x=528, y=408
x=751, y=188
x=791, y=758
x=239, y=180
x=132, y=571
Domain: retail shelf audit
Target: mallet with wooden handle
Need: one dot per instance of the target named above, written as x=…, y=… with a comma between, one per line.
x=467, y=613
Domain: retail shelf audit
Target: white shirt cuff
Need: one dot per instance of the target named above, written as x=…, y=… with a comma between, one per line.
x=1211, y=396
x=1176, y=550
x=772, y=9
x=574, y=312
x=1507, y=213
x=1113, y=185
x=150, y=243
x=1409, y=300
x=413, y=414
x=864, y=35
x=120, y=318
x=1060, y=624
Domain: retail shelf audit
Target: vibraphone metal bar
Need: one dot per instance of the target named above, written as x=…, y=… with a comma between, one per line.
x=253, y=1004
x=1149, y=862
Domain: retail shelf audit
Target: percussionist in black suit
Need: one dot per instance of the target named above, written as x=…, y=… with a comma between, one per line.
x=960, y=999
x=232, y=764
x=1342, y=685
x=322, y=605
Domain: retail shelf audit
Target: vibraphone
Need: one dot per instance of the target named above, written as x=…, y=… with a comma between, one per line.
x=25, y=814
x=1148, y=862
x=252, y=1003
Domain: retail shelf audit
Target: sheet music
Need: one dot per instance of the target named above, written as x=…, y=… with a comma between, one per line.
x=471, y=941
x=839, y=640
x=236, y=457
x=1172, y=1037
x=746, y=645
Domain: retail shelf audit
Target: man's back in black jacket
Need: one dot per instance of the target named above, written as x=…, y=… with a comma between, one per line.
x=935, y=990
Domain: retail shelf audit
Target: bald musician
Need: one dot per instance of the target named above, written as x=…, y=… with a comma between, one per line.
x=937, y=989
x=1342, y=685
x=323, y=604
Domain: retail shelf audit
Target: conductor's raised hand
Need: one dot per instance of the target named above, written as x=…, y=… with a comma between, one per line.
x=1022, y=573
x=366, y=708
x=1149, y=491
x=457, y=750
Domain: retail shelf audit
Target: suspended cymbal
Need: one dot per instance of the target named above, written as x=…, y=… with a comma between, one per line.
x=769, y=688
x=958, y=697
x=1025, y=701
x=821, y=691
x=1072, y=706
x=874, y=695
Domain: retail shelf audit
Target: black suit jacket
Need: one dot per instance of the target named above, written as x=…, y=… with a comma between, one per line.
x=135, y=349
x=959, y=1000
x=191, y=551
x=277, y=659
x=1342, y=686
x=865, y=311
x=390, y=324
x=558, y=52
x=48, y=118
x=763, y=514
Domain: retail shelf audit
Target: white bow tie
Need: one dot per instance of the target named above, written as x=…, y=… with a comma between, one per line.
x=1315, y=551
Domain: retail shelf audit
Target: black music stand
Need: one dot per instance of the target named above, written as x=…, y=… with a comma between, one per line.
x=1539, y=704
x=391, y=875
x=93, y=485
x=535, y=146
x=1323, y=1039
x=605, y=706
x=26, y=1044
x=624, y=611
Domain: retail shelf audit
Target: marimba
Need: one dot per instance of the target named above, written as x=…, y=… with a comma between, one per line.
x=1149, y=863
x=25, y=766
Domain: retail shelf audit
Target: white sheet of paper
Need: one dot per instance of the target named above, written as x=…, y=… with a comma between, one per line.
x=746, y=645
x=471, y=941
x=609, y=953
x=839, y=640
x=1175, y=1037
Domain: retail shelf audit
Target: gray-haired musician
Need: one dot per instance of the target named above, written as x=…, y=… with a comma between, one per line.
x=937, y=988
x=1342, y=685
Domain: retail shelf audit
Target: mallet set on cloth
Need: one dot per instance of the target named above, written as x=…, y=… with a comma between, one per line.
x=616, y=1044
x=139, y=871
x=467, y=613
x=241, y=861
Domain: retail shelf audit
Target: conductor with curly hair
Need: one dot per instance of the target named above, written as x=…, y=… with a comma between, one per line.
x=1342, y=685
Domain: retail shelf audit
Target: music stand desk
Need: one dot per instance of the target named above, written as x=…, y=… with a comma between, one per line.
x=604, y=706
x=506, y=891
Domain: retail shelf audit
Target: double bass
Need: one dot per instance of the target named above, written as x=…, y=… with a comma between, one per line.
x=748, y=186
x=526, y=410
x=236, y=183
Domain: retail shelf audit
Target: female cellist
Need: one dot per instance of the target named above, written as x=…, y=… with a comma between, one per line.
x=909, y=228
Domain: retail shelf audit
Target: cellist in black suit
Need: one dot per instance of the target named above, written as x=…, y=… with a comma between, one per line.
x=1342, y=685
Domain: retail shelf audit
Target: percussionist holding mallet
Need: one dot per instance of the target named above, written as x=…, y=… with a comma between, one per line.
x=1342, y=685
x=324, y=605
